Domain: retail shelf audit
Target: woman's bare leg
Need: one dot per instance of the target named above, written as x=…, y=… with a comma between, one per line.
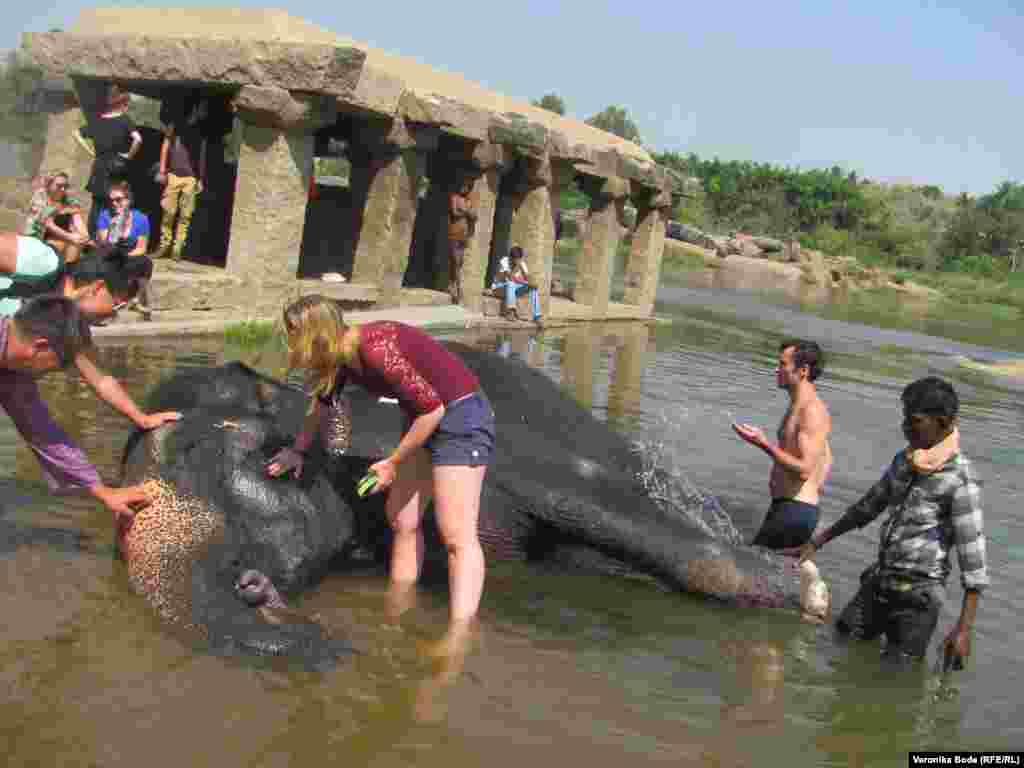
x=457, y=508
x=406, y=501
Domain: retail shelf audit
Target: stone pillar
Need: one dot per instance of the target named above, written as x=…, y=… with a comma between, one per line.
x=643, y=266
x=630, y=359
x=532, y=227
x=275, y=168
x=62, y=151
x=271, y=191
x=604, y=230
x=489, y=163
x=387, y=165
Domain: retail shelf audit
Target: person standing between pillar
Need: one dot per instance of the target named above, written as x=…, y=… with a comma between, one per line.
x=182, y=174
x=461, y=224
x=444, y=452
x=802, y=459
x=115, y=143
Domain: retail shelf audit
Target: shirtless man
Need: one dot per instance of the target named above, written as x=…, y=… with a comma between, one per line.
x=802, y=458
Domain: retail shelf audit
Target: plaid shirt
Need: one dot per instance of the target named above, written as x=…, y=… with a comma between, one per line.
x=928, y=516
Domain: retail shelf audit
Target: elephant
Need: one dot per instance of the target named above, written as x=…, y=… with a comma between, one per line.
x=223, y=546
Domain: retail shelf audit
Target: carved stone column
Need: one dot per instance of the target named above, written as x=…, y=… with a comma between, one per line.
x=489, y=162
x=275, y=167
x=387, y=165
x=62, y=152
x=532, y=227
x=643, y=265
x=604, y=230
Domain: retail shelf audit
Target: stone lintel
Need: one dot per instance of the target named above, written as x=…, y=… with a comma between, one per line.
x=377, y=93
x=329, y=69
x=631, y=168
x=278, y=108
x=395, y=135
x=648, y=196
x=487, y=155
x=516, y=131
x=606, y=189
x=537, y=171
x=452, y=116
x=604, y=163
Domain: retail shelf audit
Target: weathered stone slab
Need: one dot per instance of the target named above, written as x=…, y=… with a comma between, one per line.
x=377, y=92
x=451, y=115
x=282, y=109
x=517, y=131
x=326, y=69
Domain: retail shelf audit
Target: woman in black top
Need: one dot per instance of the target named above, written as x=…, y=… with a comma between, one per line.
x=116, y=141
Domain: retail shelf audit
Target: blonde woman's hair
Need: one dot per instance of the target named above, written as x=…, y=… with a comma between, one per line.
x=315, y=329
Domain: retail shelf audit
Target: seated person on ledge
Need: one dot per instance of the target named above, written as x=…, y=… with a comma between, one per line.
x=514, y=278
x=56, y=218
x=802, y=458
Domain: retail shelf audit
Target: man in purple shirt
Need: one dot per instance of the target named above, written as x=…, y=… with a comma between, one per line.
x=46, y=334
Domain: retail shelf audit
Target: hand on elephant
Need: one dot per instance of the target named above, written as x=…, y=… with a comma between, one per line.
x=123, y=502
x=284, y=461
x=154, y=420
x=385, y=471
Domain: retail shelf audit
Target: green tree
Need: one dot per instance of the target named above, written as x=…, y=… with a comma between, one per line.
x=616, y=120
x=552, y=102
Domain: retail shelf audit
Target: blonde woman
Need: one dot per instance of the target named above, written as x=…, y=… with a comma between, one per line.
x=443, y=454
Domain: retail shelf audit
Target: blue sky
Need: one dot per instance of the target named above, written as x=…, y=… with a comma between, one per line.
x=904, y=90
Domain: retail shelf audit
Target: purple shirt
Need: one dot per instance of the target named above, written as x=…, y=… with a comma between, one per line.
x=64, y=465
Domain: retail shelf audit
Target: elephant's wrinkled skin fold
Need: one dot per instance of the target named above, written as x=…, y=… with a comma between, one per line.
x=563, y=488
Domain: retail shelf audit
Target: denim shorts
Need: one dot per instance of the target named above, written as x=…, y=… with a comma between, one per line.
x=465, y=436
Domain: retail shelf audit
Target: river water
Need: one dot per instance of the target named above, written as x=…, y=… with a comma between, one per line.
x=569, y=667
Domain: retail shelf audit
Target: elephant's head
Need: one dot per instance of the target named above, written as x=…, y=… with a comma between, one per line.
x=223, y=545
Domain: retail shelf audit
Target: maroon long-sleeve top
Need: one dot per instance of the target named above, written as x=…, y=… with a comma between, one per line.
x=403, y=362
x=64, y=465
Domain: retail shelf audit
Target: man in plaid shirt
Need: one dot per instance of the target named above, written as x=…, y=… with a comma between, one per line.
x=933, y=502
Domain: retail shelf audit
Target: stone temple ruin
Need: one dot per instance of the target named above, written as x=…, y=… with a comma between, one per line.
x=293, y=92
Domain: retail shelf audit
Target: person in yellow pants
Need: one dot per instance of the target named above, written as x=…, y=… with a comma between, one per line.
x=182, y=171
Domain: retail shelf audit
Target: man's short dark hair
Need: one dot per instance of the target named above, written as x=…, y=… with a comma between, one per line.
x=56, y=319
x=931, y=396
x=806, y=353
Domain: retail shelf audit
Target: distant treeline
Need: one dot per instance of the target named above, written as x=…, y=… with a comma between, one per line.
x=832, y=210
